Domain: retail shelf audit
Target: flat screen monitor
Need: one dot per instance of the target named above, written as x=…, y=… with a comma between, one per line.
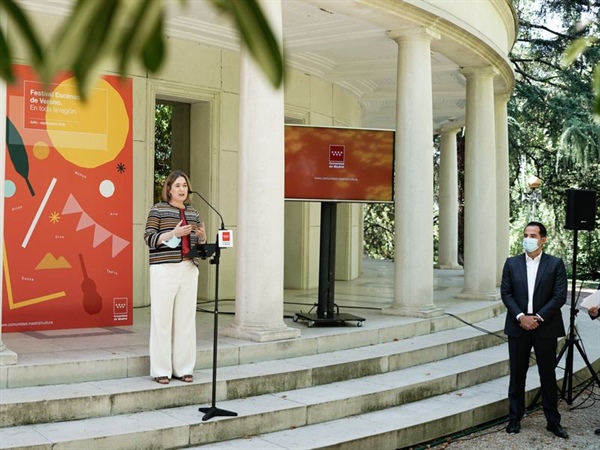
x=339, y=164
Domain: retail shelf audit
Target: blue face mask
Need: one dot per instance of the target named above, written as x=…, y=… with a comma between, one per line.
x=530, y=245
x=173, y=242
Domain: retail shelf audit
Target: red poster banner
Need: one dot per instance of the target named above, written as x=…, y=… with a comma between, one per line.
x=339, y=164
x=68, y=206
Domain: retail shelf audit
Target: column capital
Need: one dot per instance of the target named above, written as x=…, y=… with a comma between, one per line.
x=450, y=130
x=502, y=96
x=474, y=71
x=412, y=33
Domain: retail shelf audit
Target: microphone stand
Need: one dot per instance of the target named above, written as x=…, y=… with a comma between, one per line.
x=213, y=411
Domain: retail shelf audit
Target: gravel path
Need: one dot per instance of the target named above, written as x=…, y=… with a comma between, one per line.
x=579, y=420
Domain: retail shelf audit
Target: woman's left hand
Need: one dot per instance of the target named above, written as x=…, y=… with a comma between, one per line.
x=200, y=232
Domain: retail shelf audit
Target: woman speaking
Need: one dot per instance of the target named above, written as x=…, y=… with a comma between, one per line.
x=172, y=229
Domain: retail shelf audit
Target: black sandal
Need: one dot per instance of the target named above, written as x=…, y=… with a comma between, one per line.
x=162, y=380
x=186, y=378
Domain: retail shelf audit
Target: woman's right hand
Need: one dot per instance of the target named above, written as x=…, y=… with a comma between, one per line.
x=182, y=230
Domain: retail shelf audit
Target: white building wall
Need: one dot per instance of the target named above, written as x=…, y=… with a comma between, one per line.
x=492, y=20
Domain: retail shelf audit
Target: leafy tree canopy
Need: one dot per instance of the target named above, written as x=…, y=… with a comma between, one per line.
x=552, y=131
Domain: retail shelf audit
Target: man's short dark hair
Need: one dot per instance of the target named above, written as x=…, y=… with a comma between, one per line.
x=539, y=225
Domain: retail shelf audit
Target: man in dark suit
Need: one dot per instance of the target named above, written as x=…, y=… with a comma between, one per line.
x=534, y=288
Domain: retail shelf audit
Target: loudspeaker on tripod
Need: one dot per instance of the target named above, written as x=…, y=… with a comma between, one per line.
x=581, y=209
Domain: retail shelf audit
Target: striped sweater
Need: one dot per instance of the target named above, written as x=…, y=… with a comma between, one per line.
x=163, y=218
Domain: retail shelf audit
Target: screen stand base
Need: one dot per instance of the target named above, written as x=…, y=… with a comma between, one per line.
x=327, y=311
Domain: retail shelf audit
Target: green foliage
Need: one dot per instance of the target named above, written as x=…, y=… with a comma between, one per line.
x=125, y=30
x=552, y=131
x=162, y=146
x=379, y=230
x=588, y=256
x=26, y=32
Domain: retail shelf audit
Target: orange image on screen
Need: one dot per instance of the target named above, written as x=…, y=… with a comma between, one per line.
x=338, y=164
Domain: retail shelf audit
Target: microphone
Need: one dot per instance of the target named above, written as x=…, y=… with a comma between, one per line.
x=211, y=207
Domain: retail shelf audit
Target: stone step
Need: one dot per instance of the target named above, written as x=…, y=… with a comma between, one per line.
x=115, y=359
x=264, y=413
x=40, y=404
x=398, y=427
x=382, y=395
x=386, y=411
x=430, y=418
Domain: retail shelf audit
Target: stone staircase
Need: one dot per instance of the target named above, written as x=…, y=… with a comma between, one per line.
x=393, y=383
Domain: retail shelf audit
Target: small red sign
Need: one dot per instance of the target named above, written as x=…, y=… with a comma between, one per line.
x=337, y=155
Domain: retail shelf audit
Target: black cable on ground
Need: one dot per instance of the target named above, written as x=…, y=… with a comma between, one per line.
x=483, y=330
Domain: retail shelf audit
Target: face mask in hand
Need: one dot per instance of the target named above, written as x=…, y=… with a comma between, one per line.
x=173, y=242
x=530, y=245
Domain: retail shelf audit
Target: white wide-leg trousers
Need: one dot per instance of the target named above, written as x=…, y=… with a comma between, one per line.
x=173, y=292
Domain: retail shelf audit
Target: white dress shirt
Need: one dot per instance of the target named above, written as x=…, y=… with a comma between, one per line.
x=532, y=269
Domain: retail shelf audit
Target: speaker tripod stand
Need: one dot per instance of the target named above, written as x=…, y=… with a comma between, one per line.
x=572, y=342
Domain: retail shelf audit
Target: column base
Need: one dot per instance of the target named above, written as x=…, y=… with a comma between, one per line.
x=259, y=335
x=448, y=266
x=8, y=357
x=470, y=295
x=425, y=312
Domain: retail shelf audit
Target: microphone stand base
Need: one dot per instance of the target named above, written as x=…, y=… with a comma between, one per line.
x=214, y=411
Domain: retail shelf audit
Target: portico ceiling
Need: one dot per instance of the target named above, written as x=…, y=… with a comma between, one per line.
x=342, y=42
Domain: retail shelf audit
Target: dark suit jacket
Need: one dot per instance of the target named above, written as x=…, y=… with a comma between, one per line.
x=549, y=295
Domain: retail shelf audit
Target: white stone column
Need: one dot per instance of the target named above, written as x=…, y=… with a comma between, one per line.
x=349, y=248
x=259, y=263
x=448, y=200
x=7, y=357
x=480, y=186
x=413, y=261
x=502, y=184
